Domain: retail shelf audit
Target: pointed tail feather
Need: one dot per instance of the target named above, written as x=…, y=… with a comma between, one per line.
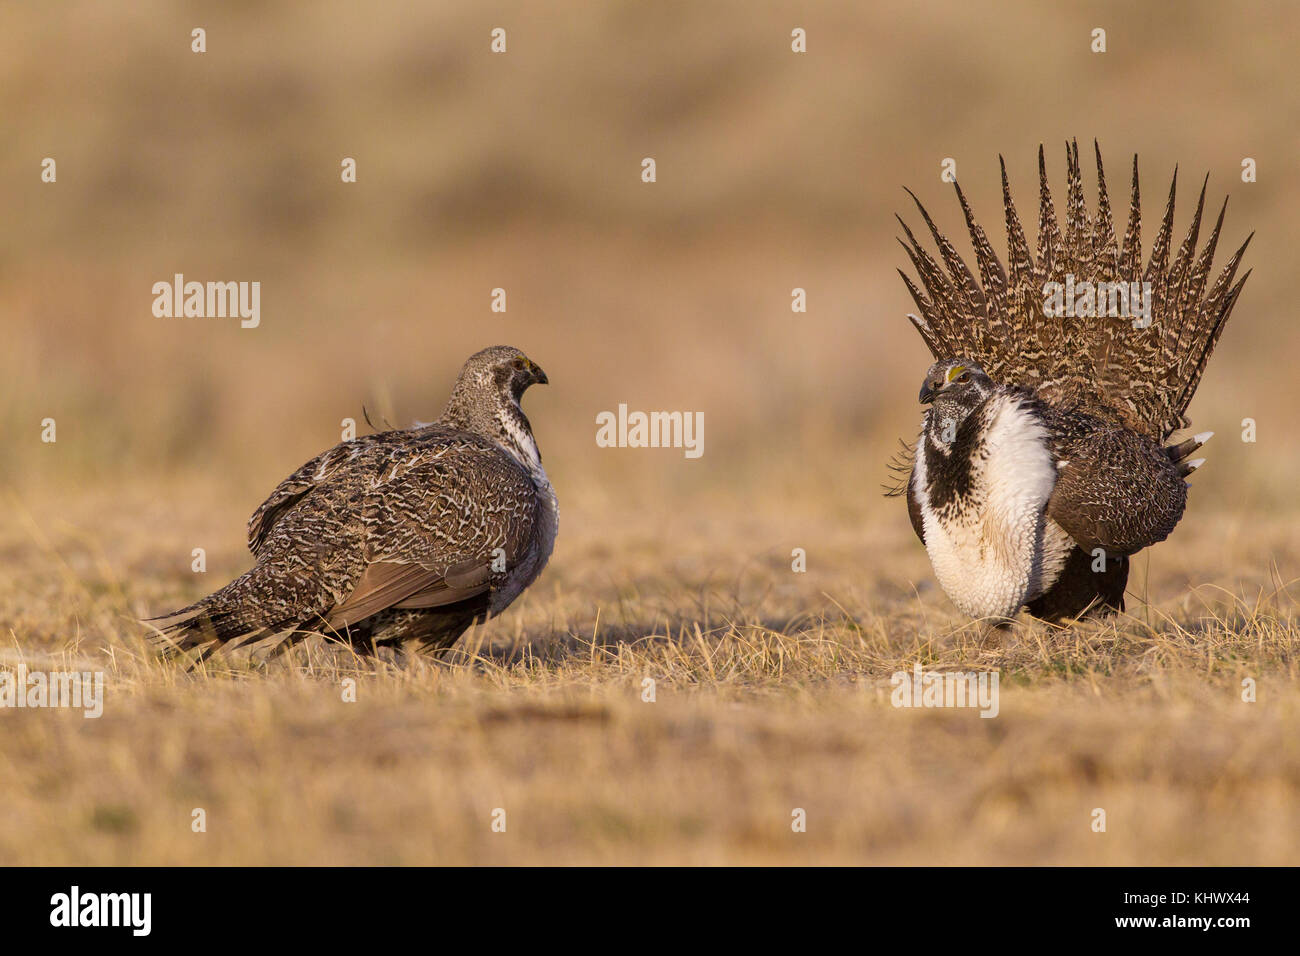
x=1130, y=357
x=224, y=616
x=1180, y=451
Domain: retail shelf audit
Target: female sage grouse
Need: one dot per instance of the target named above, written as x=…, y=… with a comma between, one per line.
x=1041, y=465
x=407, y=535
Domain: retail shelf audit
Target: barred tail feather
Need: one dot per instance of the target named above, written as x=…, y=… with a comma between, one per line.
x=215, y=621
x=1144, y=377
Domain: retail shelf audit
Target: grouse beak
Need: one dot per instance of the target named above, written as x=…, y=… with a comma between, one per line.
x=539, y=377
x=927, y=394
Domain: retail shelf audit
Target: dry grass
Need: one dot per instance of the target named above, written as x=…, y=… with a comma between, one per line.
x=772, y=692
x=522, y=172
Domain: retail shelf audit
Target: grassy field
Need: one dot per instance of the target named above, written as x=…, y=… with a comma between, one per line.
x=771, y=687
x=772, y=692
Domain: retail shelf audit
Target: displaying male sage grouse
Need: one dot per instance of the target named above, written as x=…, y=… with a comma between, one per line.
x=402, y=536
x=1041, y=465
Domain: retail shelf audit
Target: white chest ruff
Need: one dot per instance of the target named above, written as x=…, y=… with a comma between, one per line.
x=1002, y=550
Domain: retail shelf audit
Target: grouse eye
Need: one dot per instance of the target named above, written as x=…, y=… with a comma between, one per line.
x=963, y=378
x=518, y=364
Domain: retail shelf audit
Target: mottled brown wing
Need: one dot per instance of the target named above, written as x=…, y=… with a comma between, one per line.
x=399, y=519
x=1118, y=491
x=444, y=525
x=386, y=585
x=317, y=473
x=453, y=503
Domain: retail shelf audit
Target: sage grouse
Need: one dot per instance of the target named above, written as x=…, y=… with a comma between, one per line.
x=402, y=536
x=1042, y=464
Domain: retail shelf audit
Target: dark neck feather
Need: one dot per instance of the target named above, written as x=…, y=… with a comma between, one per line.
x=948, y=463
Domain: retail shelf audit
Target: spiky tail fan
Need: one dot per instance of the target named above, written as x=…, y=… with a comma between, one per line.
x=215, y=621
x=1142, y=377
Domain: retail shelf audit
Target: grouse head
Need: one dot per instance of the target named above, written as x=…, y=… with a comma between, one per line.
x=485, y=399
x=954, y=387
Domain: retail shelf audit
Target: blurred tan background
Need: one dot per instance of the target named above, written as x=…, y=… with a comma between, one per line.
x=522, y=171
